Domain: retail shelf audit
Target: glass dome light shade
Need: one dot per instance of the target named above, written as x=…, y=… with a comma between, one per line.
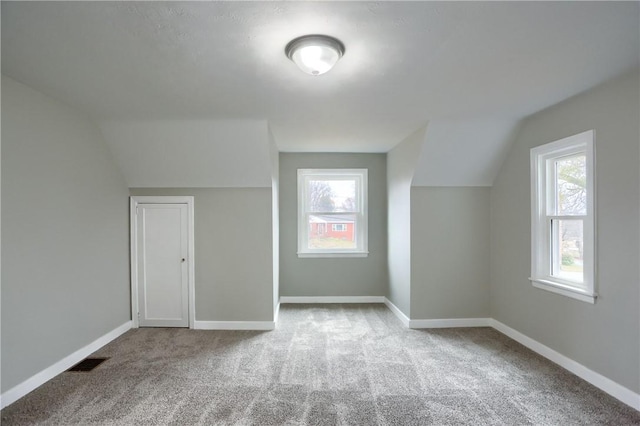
x=315, y=54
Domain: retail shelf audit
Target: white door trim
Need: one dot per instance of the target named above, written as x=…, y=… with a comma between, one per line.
x=135, y=201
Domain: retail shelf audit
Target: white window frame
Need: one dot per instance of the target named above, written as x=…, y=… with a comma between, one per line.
x=542, y=216
x=334, y=227
x=360, y=225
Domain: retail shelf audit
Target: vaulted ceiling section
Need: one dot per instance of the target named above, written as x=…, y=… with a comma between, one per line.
x=470, y=70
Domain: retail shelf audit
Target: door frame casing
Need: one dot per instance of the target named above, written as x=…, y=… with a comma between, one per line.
x=135, y=201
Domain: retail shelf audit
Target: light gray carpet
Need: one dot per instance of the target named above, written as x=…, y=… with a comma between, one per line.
x=324, y=365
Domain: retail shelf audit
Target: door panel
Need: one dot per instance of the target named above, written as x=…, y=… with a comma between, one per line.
x=162, y=265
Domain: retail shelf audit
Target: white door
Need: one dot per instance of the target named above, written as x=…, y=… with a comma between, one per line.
x=162, y=245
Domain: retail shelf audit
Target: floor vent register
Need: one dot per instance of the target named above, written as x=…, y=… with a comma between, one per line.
x=87, y=364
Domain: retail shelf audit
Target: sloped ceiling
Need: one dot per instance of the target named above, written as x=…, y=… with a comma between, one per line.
x=463, y=152
x=191, y=153
x=471, y=70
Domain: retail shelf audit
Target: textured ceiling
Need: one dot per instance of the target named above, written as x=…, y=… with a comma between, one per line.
x=406, y=63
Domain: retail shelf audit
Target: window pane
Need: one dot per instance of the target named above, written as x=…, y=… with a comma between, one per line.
x=571, y=186
x=332, y=231
x=568, y=250
x=332, y=195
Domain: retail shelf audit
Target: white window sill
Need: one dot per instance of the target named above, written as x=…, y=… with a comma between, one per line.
x=564, y=290
x=335, y=254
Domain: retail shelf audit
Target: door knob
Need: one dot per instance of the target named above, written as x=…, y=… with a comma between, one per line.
x=183, y=259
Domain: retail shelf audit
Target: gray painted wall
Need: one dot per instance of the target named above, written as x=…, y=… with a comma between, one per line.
x=65, y=238
x=401, y=164
x=450, y=252
x=333, y=276
x=233, y=249
x=604, y=336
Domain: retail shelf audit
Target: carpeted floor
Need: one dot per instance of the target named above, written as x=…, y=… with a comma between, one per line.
x=323, y=365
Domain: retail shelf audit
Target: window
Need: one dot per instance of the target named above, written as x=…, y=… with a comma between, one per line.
x=332, y=213
x=562, y=217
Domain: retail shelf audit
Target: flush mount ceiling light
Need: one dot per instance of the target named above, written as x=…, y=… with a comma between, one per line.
x=314, y=54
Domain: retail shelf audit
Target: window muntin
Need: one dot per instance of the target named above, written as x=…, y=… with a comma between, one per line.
x=332, y=216
x=562, y=218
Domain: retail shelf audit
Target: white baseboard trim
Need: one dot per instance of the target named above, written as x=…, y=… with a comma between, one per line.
x=235, y=325
x=450, y=323
x=332, y=299
x=38, y=379
x=401, y=316
x=436, y=323
x=614, y=389
x=607, y=385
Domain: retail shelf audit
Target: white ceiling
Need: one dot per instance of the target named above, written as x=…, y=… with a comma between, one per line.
x=460, y=64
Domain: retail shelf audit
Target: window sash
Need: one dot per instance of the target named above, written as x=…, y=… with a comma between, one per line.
x=551, y=174
x=549, y=254
x=555, y=251
x=358, y=180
